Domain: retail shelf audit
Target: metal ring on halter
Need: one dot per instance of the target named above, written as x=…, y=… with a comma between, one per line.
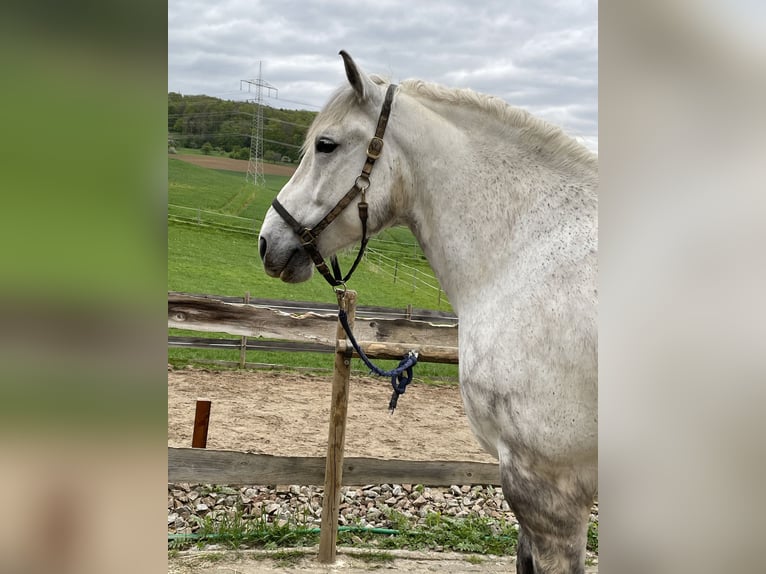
x=340, y=293
x=365, y=180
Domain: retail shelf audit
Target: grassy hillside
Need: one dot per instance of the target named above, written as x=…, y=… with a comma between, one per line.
x=213, y=219
x=217, y=190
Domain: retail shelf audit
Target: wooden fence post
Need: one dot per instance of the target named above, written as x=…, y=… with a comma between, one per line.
x=201, y=423
x=243, y=345
x=333, y=478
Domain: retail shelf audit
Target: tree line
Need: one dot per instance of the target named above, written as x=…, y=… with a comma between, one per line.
x=211, y=123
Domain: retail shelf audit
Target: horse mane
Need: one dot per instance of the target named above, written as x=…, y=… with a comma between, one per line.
x=534, y=130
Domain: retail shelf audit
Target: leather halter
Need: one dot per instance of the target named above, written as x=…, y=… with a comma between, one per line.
x=308, y=236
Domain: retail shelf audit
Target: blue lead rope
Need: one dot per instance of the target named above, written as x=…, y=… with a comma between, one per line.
x=401, y=376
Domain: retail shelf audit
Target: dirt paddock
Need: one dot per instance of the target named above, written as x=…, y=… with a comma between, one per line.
x=288, y=414
x=348, y=562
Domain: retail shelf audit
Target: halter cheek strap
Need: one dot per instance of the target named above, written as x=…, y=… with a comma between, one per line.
x=308, y=236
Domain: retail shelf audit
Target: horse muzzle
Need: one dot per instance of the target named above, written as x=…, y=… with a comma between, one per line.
x=290, y=263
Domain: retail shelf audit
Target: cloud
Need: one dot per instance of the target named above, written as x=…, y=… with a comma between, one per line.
x=538, y=55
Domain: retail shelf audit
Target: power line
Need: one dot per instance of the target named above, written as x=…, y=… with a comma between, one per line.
x=175, y=135
x=216, y=94
x=297, y=102
x=234, y=112
x=199, y=114
x=286, y=122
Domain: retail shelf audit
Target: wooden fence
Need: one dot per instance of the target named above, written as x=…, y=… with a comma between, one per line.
x=382, y=333
x=206, y=466
x=272, y=325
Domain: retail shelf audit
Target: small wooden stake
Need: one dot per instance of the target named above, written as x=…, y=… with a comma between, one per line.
x=333, y=477
x=201, y=422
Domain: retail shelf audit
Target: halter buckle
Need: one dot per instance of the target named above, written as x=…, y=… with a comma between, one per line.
x=307, y=238
x=375, y=148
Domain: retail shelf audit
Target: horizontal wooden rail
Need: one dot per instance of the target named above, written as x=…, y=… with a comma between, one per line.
x=207, y=466
x=414, y=314
x=275, y=320
x=373, y=349
x=426, y=353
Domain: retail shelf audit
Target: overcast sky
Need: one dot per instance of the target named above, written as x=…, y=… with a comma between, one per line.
x=541, y=55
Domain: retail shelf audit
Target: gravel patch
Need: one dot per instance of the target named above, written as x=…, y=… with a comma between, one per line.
x=367, y=506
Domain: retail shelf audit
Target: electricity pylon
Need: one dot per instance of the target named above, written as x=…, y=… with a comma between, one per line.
x=255, y=164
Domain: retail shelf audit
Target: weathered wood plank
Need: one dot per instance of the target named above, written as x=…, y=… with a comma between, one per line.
x=374, y=350
x=230, y=467
x=241, y=319
x=415, y=314
x=426, y=353
x=213, y=315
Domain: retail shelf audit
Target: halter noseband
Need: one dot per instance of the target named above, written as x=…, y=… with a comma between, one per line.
x=308, y=236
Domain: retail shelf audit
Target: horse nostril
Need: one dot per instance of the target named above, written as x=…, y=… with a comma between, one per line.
x=262, y=247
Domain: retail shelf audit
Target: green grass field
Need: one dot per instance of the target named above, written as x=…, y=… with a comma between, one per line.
x=220, y=257
x=217, y=190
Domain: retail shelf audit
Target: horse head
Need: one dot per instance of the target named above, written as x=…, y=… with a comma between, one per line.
x=336, y=155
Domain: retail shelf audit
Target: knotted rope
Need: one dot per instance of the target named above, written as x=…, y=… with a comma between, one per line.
x=401, y=376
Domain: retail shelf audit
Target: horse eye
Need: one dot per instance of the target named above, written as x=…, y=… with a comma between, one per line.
x=324, y=145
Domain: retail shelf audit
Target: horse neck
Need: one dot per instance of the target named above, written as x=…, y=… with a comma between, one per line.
x=470, y=185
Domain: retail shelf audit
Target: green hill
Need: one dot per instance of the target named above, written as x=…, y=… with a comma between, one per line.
x=196, y=119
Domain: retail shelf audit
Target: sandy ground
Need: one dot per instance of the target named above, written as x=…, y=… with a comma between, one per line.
x=258, y=562
x=217, y=162
x=288, y=414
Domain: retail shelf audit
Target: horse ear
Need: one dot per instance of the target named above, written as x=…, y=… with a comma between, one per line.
x=358, y=80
